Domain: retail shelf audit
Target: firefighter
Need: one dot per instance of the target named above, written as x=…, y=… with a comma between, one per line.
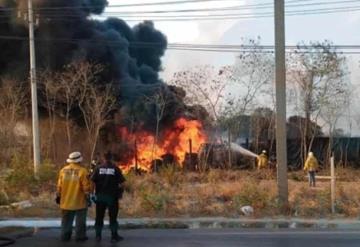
x=108, y=180
x=73, y=188
x=263, y=160
x=311, y=165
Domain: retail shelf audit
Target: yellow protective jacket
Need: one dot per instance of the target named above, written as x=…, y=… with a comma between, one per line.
x=311, y=164
x=263, y=161
x=73, y=185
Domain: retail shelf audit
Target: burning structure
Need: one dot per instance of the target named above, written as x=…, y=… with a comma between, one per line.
x=67, y=33
x=172, y=147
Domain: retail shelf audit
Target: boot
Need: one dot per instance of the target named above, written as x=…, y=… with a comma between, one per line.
x=82, y=239
x=66, y=237
x=115, y=237
x=98, y=231
x=98, y=237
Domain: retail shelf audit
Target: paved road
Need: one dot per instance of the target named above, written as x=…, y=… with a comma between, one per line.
x=208, y=238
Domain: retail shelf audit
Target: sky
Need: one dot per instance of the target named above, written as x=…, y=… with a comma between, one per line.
x=340, y=28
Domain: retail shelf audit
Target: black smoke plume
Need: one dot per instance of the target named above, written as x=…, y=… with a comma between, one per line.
x=64, y=34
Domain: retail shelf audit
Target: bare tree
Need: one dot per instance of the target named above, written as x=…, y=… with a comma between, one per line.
x=159, y=101
x=205, y=86
x=316, y=72
x=96, y=104
x=250, y=81
x=13, y=102
x=252, y=72
x=50, y=89
x=72, y=81
x=335, y=105
x=263, y=127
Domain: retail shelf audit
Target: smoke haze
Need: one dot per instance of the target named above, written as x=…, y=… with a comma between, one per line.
x=65, y=34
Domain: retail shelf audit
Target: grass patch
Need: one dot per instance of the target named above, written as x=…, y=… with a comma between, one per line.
x=175, y=193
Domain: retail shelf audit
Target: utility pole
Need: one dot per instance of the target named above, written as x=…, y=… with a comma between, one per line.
x=35, y=115
x=280, y=82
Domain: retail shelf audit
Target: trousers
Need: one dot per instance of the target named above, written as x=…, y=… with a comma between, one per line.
x=67, y=219
x=112, y=205
x=312, y=178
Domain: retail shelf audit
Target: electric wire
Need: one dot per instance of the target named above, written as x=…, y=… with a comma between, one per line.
x=230, y=16
x=232, y=8
x=141, y=4
x=199, y=47
x=238, y=17
x=235, y=7
x=126, y=5
x=220, y=18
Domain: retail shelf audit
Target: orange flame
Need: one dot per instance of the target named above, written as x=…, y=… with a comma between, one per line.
x=174, y=140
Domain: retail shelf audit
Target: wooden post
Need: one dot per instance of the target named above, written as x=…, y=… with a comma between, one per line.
x=136, y=158
x=190, y=154
x=229, y=140
x=333, y=192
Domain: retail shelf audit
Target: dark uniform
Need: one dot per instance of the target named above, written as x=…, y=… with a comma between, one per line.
x=107, y=179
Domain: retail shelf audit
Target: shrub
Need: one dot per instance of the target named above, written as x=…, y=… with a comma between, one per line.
x=4, y=198
x=253, y=195
x=297, y=176
x=154, y=199
x=21, y=177
x=170, y=174
x=130, y=182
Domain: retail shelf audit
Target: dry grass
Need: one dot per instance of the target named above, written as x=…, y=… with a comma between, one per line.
x=175, y=193
x=223, y=193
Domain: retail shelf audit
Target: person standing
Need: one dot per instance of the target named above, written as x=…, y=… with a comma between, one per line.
x=73, y=188
x=108, y=180
x=263, y=160
x=311, y=165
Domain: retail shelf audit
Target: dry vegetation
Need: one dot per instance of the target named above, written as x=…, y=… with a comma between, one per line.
x=174, y=193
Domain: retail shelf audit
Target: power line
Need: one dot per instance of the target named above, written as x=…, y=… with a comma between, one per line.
x=235, y=7
x=230, y=8
x=242, y=16
x=231, y=16
x=235, y=16
x=164, y=3
x=254, y=16
x=142, y=4
x=220, y=9
x=194, y=47
x=210, y=18
x=127, y=5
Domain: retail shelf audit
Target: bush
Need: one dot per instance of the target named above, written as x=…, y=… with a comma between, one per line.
x=297, y=176
x=170, y=174
x=130, y=179
x=4, y=198
x=154, y=199
x=21, y=177
x=252, y=195
x=21, y=173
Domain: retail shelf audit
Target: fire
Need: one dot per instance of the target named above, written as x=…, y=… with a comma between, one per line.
x=173, y=140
